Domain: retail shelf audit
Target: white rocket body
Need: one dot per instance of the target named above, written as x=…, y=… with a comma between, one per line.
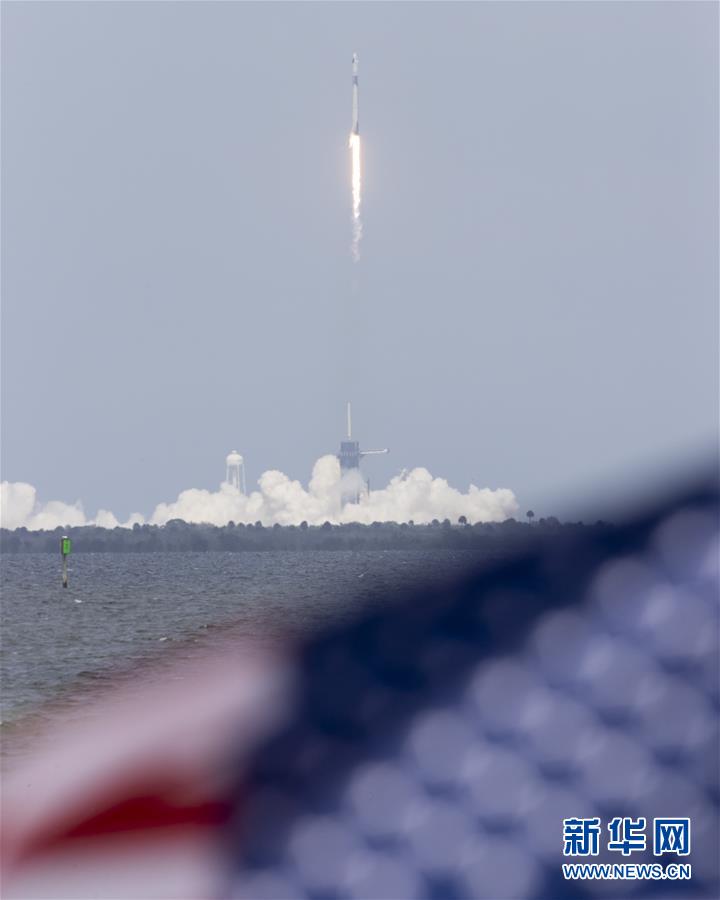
x=355, y=123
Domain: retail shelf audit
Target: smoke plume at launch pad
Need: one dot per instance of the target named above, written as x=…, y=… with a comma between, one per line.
x=413, y=495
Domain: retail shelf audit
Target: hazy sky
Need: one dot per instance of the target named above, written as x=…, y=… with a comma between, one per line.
x=536, y=303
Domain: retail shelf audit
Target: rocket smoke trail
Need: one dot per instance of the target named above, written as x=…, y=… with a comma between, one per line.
x=355, y=158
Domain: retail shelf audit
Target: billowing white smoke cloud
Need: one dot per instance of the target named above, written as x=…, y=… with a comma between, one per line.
x=19, y=506
x=413, y=495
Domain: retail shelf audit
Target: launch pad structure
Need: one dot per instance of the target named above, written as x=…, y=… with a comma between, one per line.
x=349, y=456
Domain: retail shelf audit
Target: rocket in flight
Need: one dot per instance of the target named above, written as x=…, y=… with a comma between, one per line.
x=355, y=124
x=354, y=145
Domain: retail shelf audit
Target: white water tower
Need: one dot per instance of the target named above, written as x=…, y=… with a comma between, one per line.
x=235, y=470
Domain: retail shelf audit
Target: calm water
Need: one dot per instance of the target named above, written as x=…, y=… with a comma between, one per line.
x=123, y=610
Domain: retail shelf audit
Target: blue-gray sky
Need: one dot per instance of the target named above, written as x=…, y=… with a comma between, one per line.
x=536, y=303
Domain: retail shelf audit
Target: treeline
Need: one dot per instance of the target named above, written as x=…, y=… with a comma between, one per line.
x=180, y=536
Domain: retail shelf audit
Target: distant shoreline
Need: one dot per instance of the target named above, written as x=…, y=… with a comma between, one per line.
x=183, y=537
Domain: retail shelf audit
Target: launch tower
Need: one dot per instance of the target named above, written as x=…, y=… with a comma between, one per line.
x=349, y=456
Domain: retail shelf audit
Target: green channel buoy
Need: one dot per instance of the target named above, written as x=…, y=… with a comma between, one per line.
x=65, y=550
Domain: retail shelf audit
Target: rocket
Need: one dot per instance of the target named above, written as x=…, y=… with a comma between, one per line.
x=355, y=124
x=356, y=180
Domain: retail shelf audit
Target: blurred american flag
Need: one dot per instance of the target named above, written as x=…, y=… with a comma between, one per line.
x=429, y=749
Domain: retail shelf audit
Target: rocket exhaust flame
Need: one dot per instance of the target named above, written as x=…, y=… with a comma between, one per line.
x=354, y=145
x=356, y=195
